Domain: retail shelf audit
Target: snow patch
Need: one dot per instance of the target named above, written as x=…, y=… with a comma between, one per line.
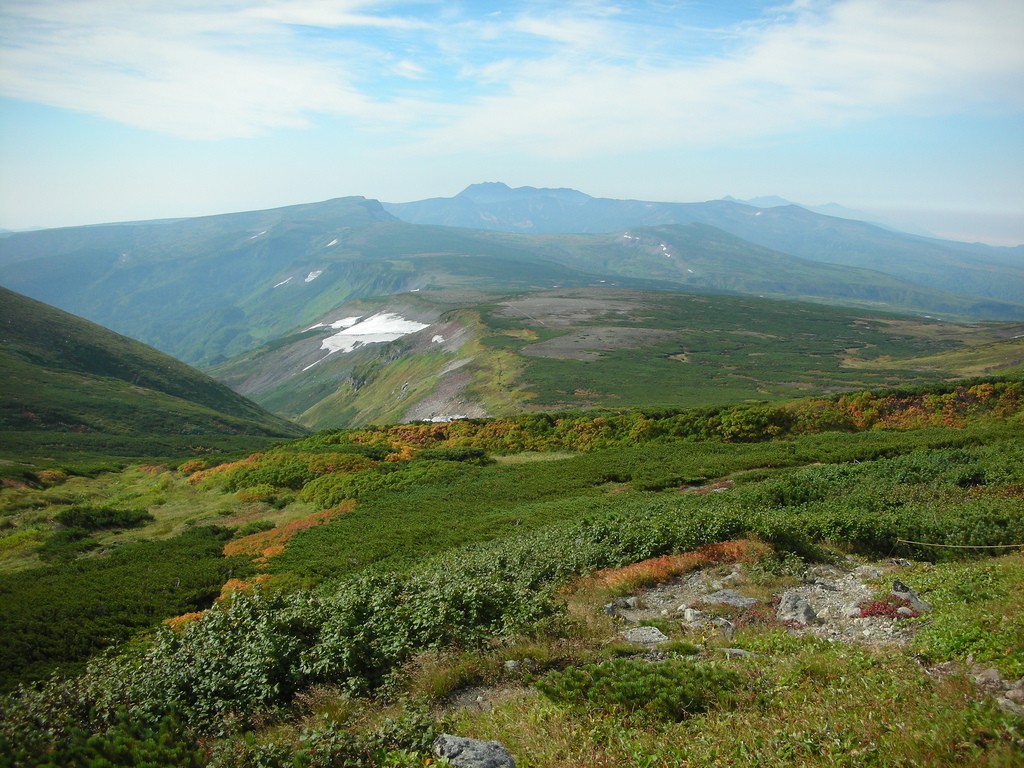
x=345, y=322
x=314, y=275
x=283, y=282
x=438, y=339
x=333, y=242
x=376, y=329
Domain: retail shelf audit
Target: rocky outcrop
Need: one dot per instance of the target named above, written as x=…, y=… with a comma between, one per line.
x=463, y=752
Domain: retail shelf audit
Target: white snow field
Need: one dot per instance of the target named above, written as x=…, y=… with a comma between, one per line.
x=378, y=328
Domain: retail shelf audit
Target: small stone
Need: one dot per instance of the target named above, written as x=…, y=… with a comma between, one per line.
x=472, y=753
x=851, y=610
x=905, y=611
x=1016, y=695
x=645, y=635
x=632, y=603
x=609, y=609
x=512, y=665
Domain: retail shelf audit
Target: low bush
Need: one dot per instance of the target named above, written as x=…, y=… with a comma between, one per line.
x=668, y=690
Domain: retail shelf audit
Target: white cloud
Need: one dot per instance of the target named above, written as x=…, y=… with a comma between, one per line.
x=818, y=64
x=558, y=80
x=187, y=69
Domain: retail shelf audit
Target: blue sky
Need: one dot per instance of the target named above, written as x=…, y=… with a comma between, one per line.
x=912, y=110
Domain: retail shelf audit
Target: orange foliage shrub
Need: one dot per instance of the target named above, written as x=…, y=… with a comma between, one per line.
x=177, y=622
x=234, y=585
x=49, y=477
x=266, y=544
x=199, y=476
x=658, y=570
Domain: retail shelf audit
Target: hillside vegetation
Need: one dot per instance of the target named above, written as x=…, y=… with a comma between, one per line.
x=74, y=389
x=374, y=578
x=964, y=268
x=604, y=347
x=208, y=289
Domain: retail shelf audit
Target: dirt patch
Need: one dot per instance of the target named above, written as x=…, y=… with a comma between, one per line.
x=566, y=311
x=591, y=342
x=447, y=401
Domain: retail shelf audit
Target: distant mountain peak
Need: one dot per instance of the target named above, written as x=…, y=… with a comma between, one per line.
x=497, y=191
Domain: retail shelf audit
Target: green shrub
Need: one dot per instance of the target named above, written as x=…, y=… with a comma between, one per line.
x=99, y=518
x=668, y=690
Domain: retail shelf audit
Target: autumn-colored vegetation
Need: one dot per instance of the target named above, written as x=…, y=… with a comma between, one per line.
x=265, y=544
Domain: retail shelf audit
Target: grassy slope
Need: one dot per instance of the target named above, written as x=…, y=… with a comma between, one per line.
x=614, y=348
x=960, y=484
x=211, y=288
x=73, y=387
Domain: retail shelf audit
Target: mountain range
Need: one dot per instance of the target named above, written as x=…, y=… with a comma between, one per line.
x=298, y=307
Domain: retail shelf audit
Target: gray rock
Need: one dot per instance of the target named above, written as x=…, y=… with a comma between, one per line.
x=868, y=572
x=693, y=616
x=632, y=603
x=989, y=678
x=730, y=597
x=645, y=635
x=472, y=753
x=905, y=611
x=725, y=627
x=794, y=607
x=1007, y=705
x=902, y=591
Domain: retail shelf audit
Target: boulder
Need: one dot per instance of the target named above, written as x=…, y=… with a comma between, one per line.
x=645, y=635
x=463, y=752
x=794, y=607
x=903, y=592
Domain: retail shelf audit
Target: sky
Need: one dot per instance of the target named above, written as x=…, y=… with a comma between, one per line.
x=909, y=110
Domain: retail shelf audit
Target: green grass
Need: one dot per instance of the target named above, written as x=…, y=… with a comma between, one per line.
x=449, y=564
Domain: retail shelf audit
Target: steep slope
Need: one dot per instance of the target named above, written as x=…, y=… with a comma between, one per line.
x=974, y=269
x=65, y=374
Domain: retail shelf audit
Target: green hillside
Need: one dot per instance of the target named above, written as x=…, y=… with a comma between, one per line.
x=208, y=289
x=985, y=272
x=73, y=388
x=381, y=586
x=601, y=347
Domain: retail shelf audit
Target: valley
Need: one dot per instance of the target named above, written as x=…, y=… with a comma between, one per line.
x=440, y=480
